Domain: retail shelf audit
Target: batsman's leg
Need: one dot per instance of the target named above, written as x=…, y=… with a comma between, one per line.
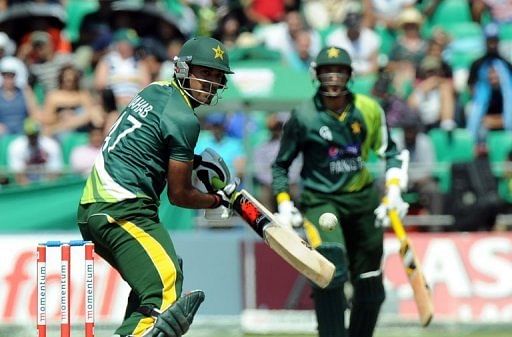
x=368, y=297
x=330, y=303
x=145, y=257
x=365, y=249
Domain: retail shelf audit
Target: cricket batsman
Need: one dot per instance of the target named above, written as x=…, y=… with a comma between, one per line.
x=335, y=131
x=151, y=145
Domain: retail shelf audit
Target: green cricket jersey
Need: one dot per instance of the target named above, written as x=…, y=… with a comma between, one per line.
x=335, y=149
x=157, y=125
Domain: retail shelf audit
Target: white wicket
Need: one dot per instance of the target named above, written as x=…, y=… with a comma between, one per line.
x=65, y=287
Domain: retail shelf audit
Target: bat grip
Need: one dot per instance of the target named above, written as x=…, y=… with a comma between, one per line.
x=396, y=223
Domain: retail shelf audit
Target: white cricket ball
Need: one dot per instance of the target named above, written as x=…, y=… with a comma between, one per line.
x=328, y=221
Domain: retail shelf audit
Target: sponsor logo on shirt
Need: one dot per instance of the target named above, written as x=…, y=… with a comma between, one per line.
x=346, y=165
x=344, y=151
x=325, y=133
x=344, y=159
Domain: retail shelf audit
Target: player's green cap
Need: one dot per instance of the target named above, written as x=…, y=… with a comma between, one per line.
x=207, y=52
x=333, y=56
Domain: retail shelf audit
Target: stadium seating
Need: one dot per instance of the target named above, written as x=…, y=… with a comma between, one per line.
x=451, y=11
x=71, y=141
x=76, y=10
x=467, y=44
x=499, y=145
x=456, y=146
x=387, y=39
x=363, y=84
x=4, y=144
x=506, y=40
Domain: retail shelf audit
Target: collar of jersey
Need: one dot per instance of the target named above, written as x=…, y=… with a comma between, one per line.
x=185, y=97
x=342, y=116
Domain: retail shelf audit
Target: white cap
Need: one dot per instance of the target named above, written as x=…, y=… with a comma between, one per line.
x=14, y=65
x=7, y=44
x=9, y=65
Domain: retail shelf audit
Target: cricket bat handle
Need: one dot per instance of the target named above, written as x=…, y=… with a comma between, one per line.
x=396, y=223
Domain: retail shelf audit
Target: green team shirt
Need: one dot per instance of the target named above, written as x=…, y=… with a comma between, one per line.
x=335, y=149
x=159, y=124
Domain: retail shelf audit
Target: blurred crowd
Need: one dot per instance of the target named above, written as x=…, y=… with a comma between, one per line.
x=441, y=69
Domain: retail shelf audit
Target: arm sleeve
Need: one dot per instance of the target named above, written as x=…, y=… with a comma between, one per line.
x=382, y=143
x=289, y=149
x=181, y=135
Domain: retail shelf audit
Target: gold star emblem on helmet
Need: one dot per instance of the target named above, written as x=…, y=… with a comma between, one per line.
x=356, y=128
x=219, y=53
x=333, y=52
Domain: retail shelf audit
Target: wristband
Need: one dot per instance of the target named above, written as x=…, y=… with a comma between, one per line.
x=283, y=196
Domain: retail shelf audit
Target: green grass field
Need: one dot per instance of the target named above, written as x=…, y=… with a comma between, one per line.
x=233, y=330
x=236, y=333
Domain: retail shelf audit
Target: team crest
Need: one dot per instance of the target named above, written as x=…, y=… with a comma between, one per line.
x=333, y=52
x=356, y=128
x=325, y=133
x=219, y=53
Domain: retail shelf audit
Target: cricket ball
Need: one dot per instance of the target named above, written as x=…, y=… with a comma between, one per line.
x=328, y=221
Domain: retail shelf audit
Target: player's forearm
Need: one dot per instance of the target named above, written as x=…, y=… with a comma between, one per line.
x=193, y=198
x=279, y=179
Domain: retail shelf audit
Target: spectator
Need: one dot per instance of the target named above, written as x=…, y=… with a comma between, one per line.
x=94, y=44
x=152, y=52
x=396, y=108
x=499, y=10
x=21, y=78
x=120, y=71
x=300, y=57
x=262, y=12
x=7, y=46
x=361, y=43
x=320, y=13
x=263, y=157
x=385, y=13
x=281, y=36
x=436, y=47
x=34, y=157
x=167, y=67
x=230, y=148
x=433, y=97
x=422, y=161
x=83, y=156
x=69, y=108
x=16, y=102
x=408, y=50
x=228, y=30
x=43, y=61
x=90, y=23
x=490, y=84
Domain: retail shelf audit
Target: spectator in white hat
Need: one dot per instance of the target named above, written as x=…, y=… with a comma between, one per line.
x=17, y=101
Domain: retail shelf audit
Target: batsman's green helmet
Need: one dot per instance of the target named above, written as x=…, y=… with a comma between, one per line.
x=207, y=52
x=333, y=56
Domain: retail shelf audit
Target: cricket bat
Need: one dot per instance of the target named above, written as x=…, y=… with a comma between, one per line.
x=284, y=241
x=421, y=290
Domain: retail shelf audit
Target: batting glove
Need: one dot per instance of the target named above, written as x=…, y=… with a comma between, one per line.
x=288, y=215
x=392, y=200
x=227, y=194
